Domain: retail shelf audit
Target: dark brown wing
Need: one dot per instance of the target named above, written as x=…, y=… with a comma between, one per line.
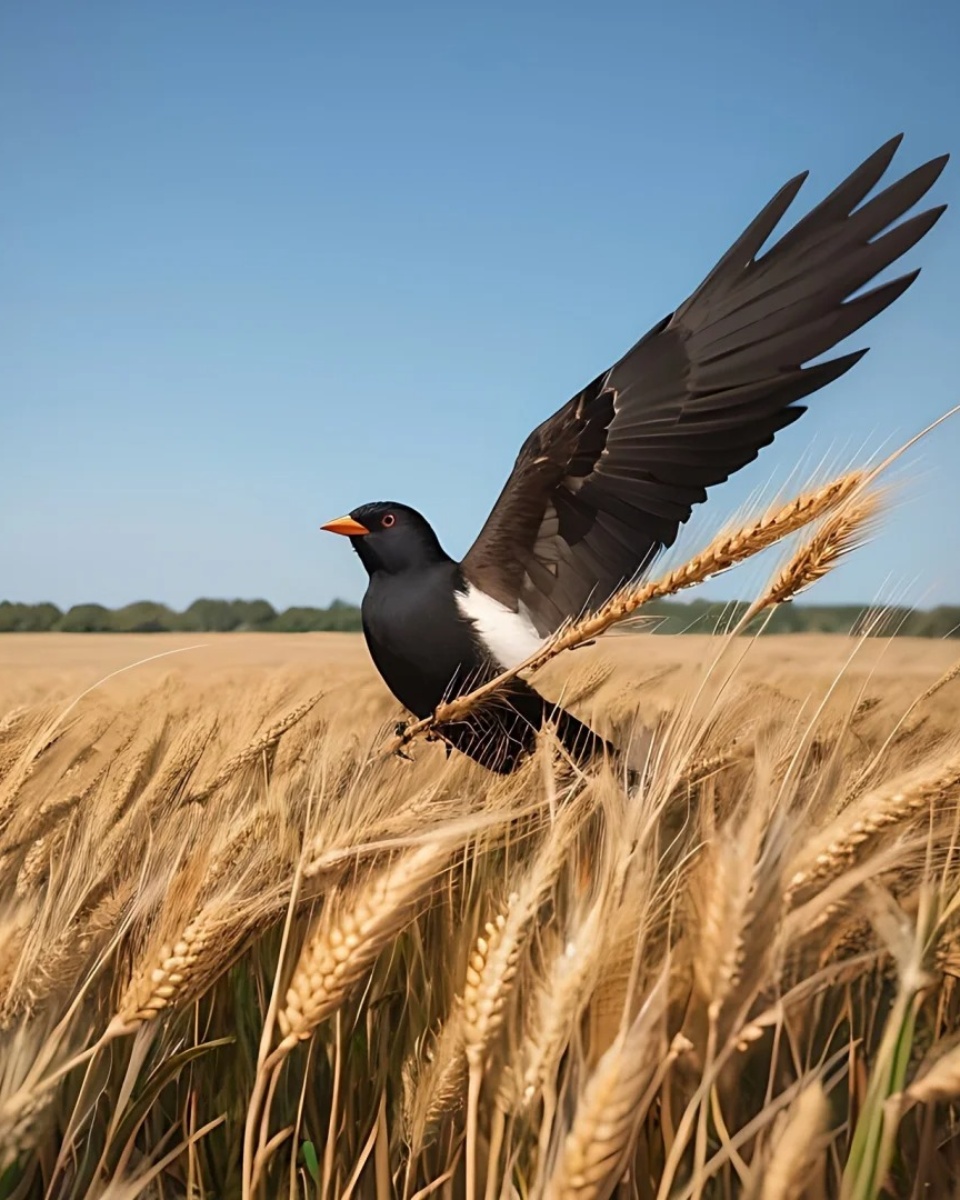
x=605, y=483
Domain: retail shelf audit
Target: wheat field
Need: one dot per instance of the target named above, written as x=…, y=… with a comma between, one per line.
x=245, y=952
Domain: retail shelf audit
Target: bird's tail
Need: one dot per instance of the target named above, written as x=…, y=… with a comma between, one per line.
x=501, y=733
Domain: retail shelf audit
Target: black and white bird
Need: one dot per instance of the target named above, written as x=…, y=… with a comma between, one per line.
x=603, y=485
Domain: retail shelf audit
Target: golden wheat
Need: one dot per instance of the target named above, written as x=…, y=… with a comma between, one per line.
x=348, y=936
x=838, y=535
x=566, y=984
x=610, y=1109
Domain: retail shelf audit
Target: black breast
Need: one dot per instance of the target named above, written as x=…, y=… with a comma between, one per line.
x=418, y=639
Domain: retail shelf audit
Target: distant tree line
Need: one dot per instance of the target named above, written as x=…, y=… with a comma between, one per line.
x=665, y=616
x=705, y=616
x=203, y=616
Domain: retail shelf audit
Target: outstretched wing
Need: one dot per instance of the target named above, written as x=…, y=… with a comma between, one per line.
x=605, y=483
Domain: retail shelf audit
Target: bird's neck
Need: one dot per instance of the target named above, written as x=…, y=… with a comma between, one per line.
x=430, y=558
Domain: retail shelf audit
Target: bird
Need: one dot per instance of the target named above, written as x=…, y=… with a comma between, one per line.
x=603, y=486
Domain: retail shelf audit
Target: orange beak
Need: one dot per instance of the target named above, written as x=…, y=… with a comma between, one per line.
x=346, y=526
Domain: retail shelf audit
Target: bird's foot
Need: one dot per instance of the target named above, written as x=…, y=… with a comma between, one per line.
x=400, y=732
x=433, y=735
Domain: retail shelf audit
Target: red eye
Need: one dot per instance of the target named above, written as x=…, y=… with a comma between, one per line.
x=388, y=520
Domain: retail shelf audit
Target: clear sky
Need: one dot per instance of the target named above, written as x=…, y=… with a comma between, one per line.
x=265, y=262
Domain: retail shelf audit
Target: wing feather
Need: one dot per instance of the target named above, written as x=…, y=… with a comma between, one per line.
x=605, y=483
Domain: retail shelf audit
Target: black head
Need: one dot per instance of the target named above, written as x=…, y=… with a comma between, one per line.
x=389, y=537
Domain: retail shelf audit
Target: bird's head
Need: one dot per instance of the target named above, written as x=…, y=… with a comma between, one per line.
x=389, y=537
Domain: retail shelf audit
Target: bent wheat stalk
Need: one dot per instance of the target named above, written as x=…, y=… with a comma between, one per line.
x=725, y=551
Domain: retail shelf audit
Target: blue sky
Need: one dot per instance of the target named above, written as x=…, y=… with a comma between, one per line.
x=263, y=263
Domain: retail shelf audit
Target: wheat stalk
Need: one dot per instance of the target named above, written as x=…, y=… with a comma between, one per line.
x=725, y=551
x=947, y=677
x=255, y=751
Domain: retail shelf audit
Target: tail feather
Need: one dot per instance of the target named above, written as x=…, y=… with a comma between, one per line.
x=501, y=733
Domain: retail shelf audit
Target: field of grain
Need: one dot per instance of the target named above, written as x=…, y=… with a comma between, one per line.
x=243, y=952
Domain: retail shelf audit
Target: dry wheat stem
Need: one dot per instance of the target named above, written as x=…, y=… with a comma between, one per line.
x=724, y=552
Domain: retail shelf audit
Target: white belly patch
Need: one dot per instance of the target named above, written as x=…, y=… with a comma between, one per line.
x=509, y=636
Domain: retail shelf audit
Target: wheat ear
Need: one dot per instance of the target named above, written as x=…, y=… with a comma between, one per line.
x=877, y=810
x=611, y=1108
x=348, y=936
x=938, y=1079
x=433, y=1084
x=559, y=1001
x=493, y=965
x=255, y=750
x=841, y=532
x=947, y=677
x=173, y=973
x=493, y=962
x=796, y=1146
x=20, y=1115
x=725, y=551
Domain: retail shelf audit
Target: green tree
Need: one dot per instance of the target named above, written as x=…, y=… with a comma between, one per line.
x=253, y=614
x=339, y=617
x=27, y=618
x=210, y=616
x=144, y=616
x=343, y=617
x=86, y=618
